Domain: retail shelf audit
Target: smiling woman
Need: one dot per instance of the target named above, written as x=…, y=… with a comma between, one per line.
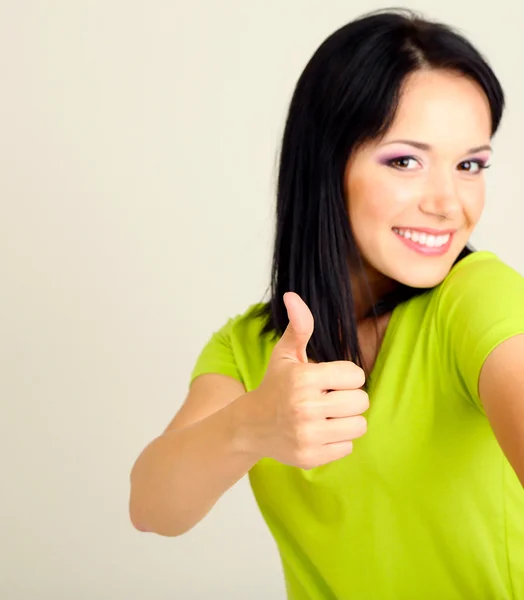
x=378, y=306
x=431, y=200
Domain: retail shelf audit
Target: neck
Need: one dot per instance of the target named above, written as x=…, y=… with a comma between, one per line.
x=366, y=296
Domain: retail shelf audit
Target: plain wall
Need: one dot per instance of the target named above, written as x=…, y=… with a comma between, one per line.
x=138, y=147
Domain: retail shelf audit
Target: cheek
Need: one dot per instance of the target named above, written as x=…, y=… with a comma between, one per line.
x=378, y=200
x=474, y=205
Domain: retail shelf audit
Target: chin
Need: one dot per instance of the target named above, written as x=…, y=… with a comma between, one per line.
x=428, y=277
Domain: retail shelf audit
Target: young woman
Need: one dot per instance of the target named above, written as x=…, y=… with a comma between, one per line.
x=378, y=306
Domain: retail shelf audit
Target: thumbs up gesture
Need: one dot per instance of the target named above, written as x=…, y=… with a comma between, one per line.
x=306, y=414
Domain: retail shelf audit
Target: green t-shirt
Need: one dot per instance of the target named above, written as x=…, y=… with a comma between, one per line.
x=427, y=506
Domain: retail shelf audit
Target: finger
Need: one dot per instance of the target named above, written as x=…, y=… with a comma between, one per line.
x=331, y=452
x=335, y=451
x=338, y=375
x=344, y=429
x=295, y=338
x=344, y=403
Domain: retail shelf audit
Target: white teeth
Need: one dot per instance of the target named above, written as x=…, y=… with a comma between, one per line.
x=424, y=239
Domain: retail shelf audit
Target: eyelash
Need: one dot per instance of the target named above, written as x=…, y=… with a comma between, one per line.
x=481, y=164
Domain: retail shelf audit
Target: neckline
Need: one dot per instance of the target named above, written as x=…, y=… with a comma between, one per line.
x=395, y=313
x=386, y=343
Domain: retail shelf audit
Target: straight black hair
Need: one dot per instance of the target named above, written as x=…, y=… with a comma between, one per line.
x=348, y=94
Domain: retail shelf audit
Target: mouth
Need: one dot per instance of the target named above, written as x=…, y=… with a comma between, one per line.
x=430, y=242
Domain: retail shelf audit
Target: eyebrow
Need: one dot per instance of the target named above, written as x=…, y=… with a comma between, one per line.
x=427, y=147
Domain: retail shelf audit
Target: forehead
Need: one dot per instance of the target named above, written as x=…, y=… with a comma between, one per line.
x=442, y=107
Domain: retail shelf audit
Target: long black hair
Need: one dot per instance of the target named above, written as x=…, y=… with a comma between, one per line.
x=348, y=94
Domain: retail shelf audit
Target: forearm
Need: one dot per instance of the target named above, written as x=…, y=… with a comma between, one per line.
x=181, y=474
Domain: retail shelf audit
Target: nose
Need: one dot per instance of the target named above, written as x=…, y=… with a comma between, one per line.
x=440, y=197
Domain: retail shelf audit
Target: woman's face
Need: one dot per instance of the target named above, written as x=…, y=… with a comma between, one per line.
x=413, y=208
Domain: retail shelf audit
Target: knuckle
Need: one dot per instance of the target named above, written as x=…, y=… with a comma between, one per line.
x=361, y=425
x=362, y=399
x=352, y=374
x=358, y=374
x=361, y=377
x=303, y=438
x=304, y=460
x=296, y=378
x=345, y=450
x=300, y=378
x=302, y=412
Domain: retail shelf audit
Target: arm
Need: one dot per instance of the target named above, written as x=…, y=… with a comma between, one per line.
x=501, y=390
x=181, y=474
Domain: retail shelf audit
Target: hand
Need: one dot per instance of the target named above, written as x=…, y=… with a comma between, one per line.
x=305, y=414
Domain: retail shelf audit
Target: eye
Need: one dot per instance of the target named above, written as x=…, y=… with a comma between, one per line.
x=475, y=166
x=403, y=161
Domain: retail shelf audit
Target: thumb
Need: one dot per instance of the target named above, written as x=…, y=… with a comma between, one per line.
x=295, y=338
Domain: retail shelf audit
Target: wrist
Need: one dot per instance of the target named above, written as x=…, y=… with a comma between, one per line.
x=242, y=431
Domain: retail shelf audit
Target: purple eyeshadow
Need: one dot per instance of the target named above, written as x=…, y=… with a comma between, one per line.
x=384, y=160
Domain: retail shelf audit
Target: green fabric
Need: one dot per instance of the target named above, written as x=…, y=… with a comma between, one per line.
x=426, y=506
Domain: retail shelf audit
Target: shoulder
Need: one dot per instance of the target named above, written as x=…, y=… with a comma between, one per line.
x=251, y=344
x=479, y=263
x=479, y=305
x=480, y=279
x=247, y=336
x=249, y=324
x=480, y=293
x=237, y=348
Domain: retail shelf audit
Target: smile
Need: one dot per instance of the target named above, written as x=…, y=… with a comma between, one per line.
x=425, y=243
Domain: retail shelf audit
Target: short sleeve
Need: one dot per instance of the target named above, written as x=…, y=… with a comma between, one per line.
x=480, y=305
x=218, y=355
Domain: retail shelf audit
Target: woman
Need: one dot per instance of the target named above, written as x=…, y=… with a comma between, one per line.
x=378, y=306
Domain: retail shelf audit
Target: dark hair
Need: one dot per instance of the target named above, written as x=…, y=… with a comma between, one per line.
x=348, y=94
